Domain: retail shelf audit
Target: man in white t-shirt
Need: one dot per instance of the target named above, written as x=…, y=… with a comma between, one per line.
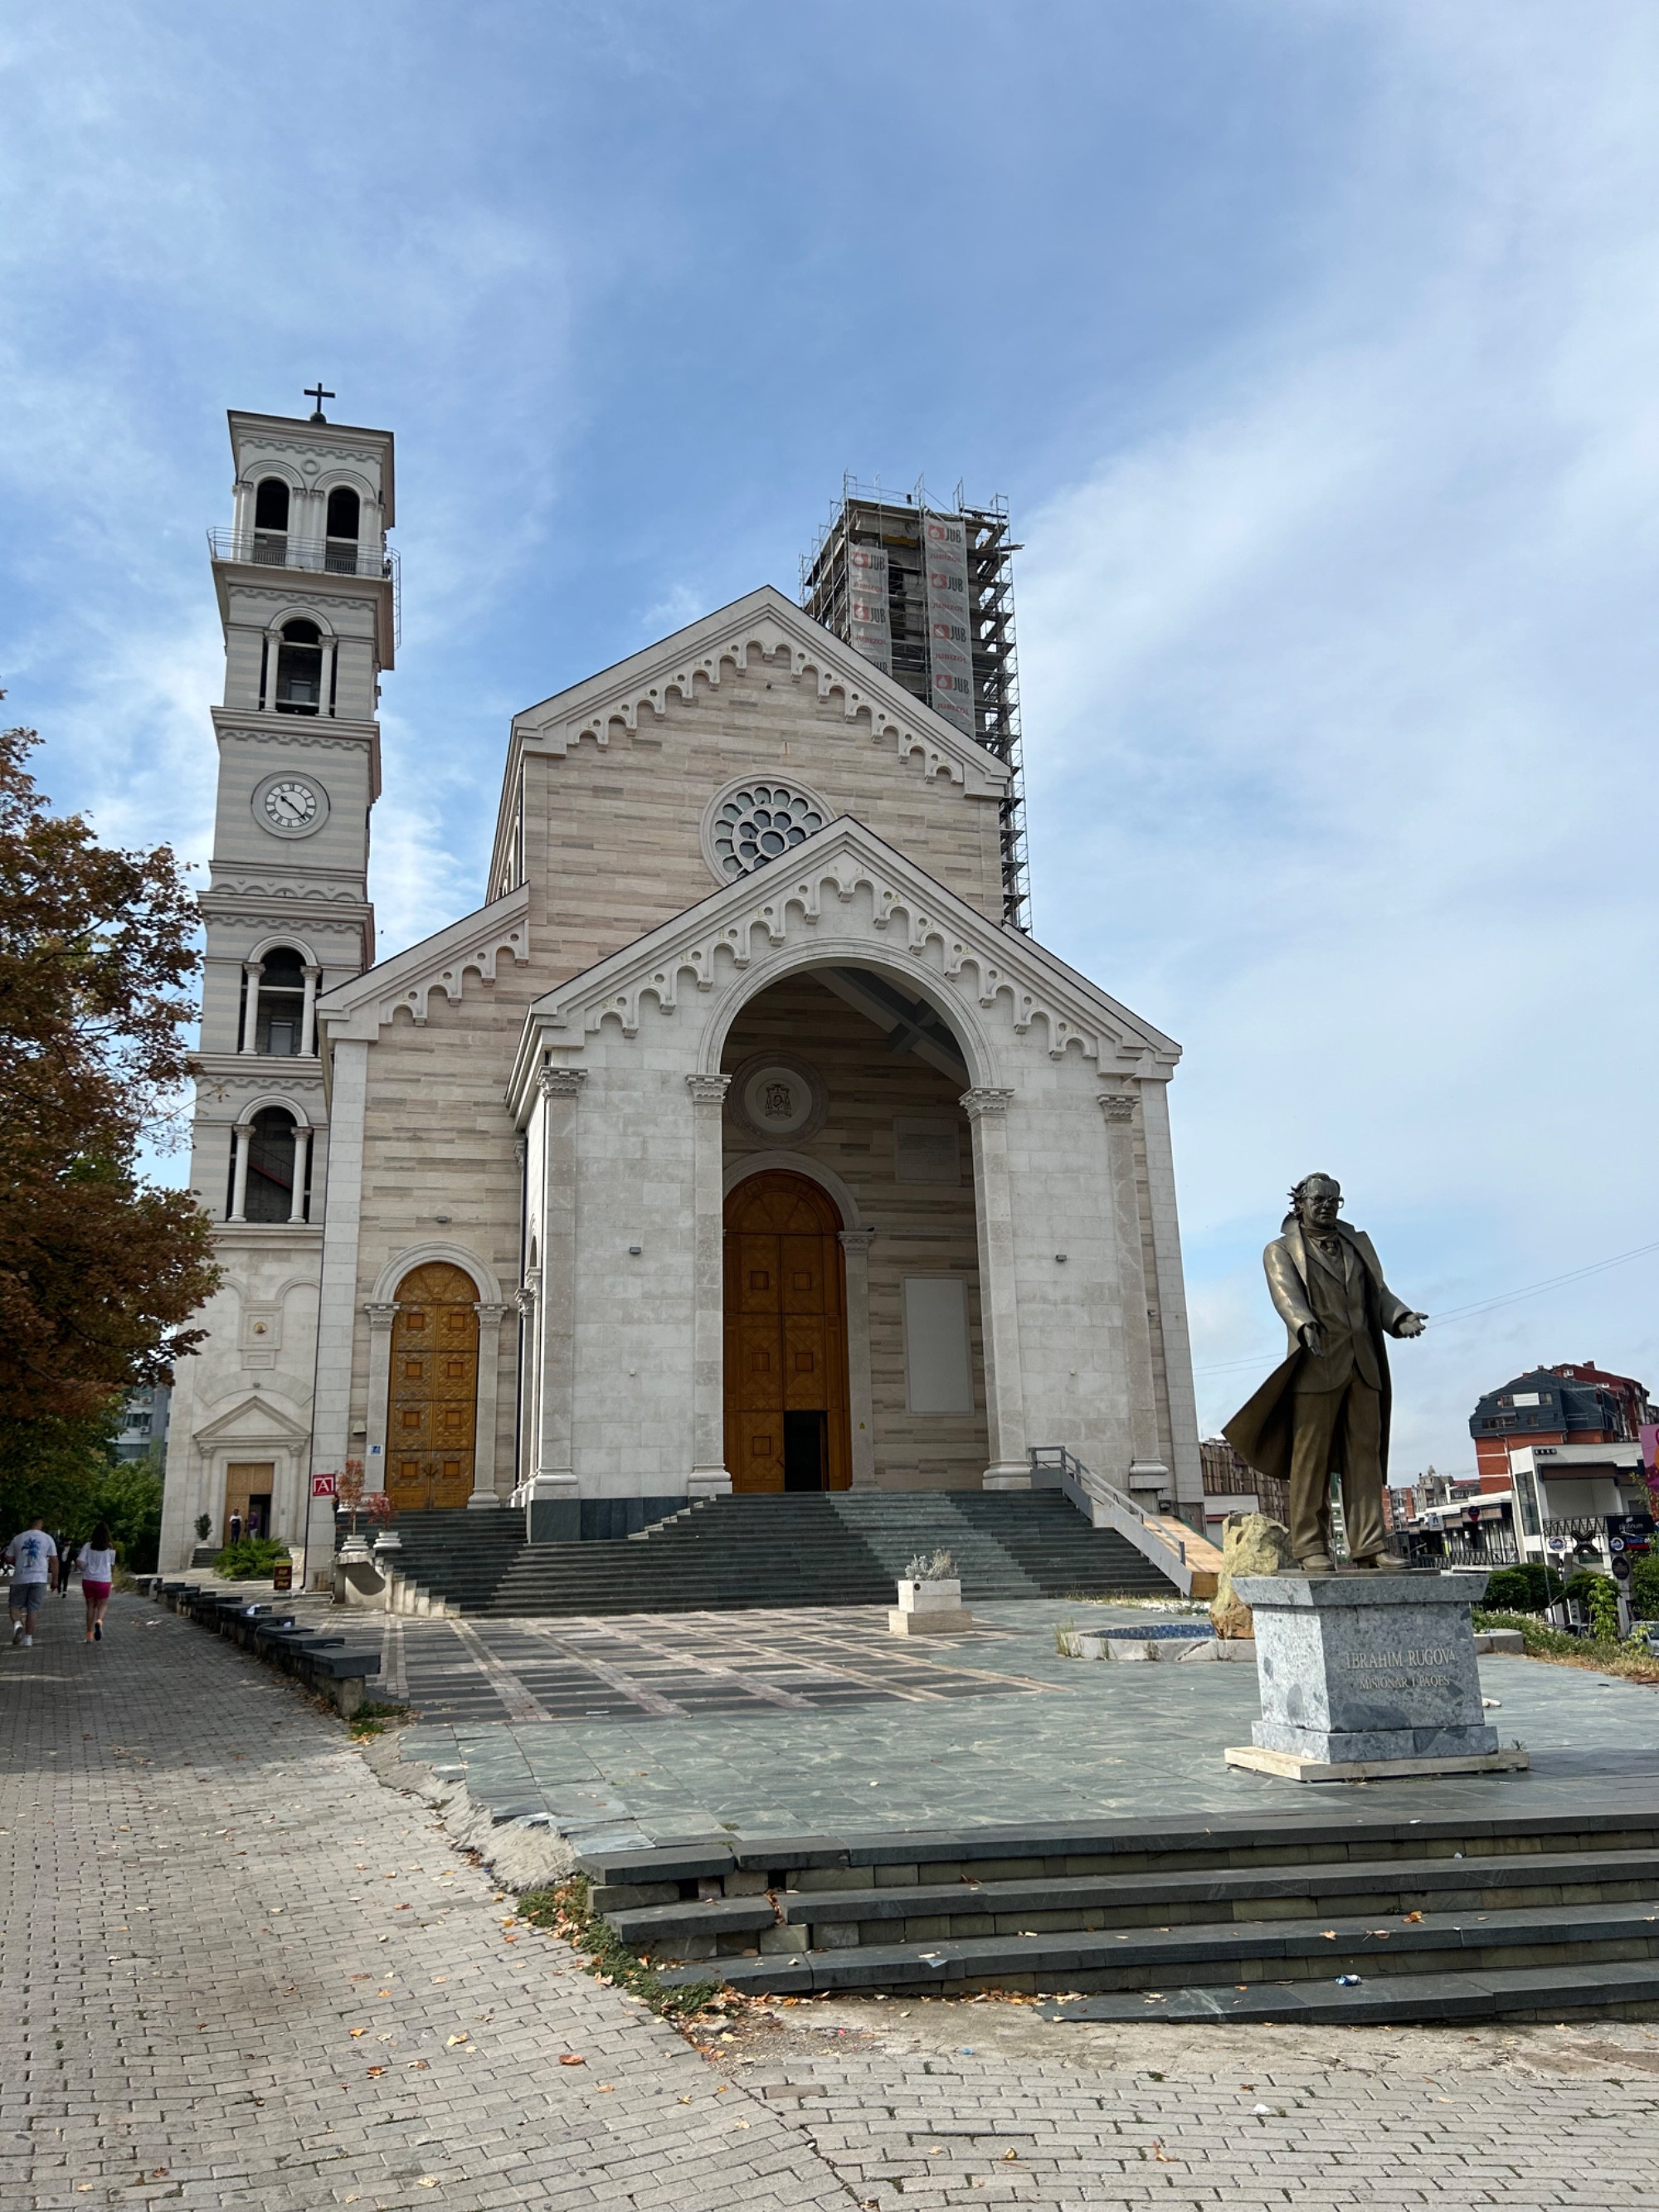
x=33, y=1559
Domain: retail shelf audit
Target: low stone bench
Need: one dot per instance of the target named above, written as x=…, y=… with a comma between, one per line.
x=340, y=1676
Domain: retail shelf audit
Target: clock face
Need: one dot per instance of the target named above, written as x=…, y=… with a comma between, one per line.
x=289, y=805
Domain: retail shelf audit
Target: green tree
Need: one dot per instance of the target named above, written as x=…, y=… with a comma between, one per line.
x=99, y=1273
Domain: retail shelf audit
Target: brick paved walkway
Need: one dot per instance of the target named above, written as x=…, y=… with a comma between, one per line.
x=237, y=1970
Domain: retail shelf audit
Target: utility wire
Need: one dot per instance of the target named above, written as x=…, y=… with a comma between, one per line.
x=1483, y=1305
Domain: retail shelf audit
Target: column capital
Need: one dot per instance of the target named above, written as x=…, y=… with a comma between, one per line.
x=523, y=1300
x=561, y=1081
x=855, y=1240
x=491, y=1314
x=707, y=1089
x=382, y=1316
x=1118, y=1106
x=253, y=967
x=310, y=969
x=984, y=1100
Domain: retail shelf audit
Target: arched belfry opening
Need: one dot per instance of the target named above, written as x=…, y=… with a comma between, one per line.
x=270, y=505
x=299, y=668
x=342, y=524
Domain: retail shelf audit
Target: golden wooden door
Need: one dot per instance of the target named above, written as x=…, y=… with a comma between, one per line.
x=432, y=1408
x=786, y=1337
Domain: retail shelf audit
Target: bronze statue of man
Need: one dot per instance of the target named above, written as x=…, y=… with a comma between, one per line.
x=1325, y=1409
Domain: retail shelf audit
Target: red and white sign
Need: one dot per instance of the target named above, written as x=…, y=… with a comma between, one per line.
x=322, y=1486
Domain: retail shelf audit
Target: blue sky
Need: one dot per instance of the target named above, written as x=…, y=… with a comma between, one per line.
x=1313, y=344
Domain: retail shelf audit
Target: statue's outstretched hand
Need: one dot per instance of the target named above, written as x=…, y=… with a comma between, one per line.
x=1411, y=1325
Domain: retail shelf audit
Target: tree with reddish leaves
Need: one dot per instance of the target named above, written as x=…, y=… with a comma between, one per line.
x=98, y=1271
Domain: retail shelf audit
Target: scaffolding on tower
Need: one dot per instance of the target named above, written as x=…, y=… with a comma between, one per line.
x=927, y=594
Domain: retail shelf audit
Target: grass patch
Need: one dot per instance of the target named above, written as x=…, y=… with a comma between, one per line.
x=372, y=1716
x=1597, y=1654
x=568, y=1911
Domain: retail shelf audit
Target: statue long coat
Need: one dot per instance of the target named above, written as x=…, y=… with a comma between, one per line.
x=1262, y=1431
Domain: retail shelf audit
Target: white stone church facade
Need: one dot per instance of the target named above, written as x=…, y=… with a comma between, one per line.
x=734, y=1142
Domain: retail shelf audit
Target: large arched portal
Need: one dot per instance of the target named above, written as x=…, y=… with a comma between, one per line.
x=433, y=1403
x=855, y=1084
x=786, y=1337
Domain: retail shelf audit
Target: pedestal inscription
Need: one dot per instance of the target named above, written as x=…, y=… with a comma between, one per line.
x=1367, y=1670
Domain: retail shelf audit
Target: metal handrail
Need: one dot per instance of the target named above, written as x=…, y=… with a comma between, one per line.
x=277, y=549
x=1065, y=1471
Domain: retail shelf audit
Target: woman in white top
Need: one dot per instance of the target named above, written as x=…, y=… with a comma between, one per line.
x=96, y=1561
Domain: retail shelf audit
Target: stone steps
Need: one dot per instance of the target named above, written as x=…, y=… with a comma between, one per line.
x=838, y=1548
x=1440, y=1916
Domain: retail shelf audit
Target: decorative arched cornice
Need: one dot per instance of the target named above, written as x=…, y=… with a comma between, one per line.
x=767, y=622
x=754, y=1163
x=420, y=1255
x=280, y=940
x=311, y=610
x=845, y=898
x=477, y=945
x=264, y=1098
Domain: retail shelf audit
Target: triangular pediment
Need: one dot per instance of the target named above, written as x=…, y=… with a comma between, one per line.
x=257, y=1420
x=766, y=621
x=846, y=886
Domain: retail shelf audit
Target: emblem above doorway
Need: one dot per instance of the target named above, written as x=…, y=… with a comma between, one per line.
x=779, y=1098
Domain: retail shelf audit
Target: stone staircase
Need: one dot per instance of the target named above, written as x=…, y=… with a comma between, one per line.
x=1442, y=1917
x=836, y=1547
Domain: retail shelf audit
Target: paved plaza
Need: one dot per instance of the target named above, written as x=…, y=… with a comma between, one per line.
x=663, y=1729
x=240, y=1969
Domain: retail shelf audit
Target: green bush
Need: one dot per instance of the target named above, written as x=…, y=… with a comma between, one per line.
x=1645, y=1587
x=1531, y=1588
x=1599, y=1595
x=250, y=1561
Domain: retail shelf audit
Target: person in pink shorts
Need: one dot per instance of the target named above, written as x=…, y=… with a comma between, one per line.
x=96, y=1561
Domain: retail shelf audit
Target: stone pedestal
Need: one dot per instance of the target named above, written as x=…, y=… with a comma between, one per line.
x=928, y=1609
x=1365, y=1676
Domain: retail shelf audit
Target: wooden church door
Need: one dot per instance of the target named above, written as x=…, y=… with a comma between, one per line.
x=433, y=1408
x=786, y=1337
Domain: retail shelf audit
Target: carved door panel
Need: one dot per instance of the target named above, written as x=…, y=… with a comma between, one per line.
x=786, y=1337
x=432, y=1408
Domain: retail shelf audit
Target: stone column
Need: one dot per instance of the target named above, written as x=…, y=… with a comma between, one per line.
x=296, y=1211
x=526, y=1301
x=553, y=1506
x=336, y=1297
x=490, y=1318
x=308, y=1016
x=326, y=678
x=856, y=1243
x=1147, y=1471
x=1169, y=1294
x=252, y=969
x=998, y=1290
x=708, y=1477
x=241, y=1139
x=380, y=1319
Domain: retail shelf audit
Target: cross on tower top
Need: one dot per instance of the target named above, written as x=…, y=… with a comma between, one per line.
x=316, y=392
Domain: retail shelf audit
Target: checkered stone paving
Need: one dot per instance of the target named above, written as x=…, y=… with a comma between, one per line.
x=672, y=1666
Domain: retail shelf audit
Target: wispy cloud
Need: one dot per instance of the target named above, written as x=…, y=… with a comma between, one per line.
x=1346, y=678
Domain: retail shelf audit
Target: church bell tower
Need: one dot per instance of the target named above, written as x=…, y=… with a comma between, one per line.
x=307, y=592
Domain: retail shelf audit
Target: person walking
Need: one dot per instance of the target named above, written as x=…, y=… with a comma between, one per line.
x=66, y=1552
x=97, y=1557
x=33, y=1560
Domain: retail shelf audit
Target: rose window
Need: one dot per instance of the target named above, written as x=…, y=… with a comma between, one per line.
x=758, y=822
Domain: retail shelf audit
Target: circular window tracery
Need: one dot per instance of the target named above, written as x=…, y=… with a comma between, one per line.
x=758, y=822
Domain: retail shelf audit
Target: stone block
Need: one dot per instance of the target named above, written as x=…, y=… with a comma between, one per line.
x=1364, y=1669
x=1251, y=1544
x=934, y=1622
